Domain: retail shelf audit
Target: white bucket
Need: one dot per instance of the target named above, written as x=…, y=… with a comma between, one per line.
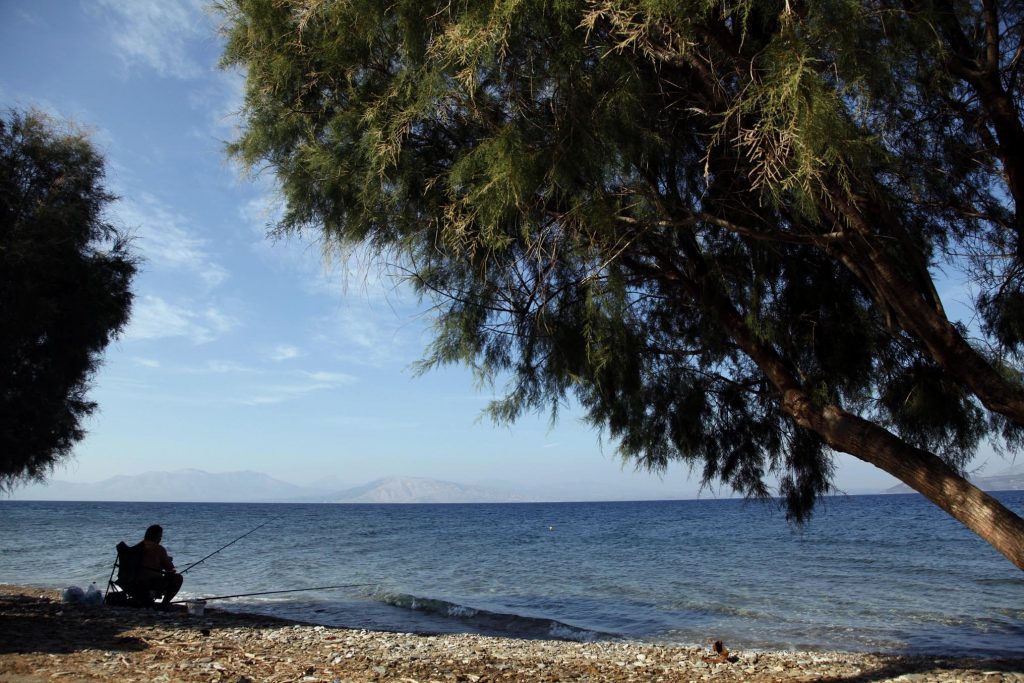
x=196, y=607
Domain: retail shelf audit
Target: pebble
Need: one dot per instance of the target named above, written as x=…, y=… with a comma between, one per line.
x=243, y=648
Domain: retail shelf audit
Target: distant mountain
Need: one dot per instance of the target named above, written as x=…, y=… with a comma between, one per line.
x=420, y=490
x=186, y=486
x=1010, y=479
x=198, y=486
x=194, y=486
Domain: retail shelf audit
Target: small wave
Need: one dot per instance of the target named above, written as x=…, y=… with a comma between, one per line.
x=722, y=609
x=487, y=622
x=1013, y=581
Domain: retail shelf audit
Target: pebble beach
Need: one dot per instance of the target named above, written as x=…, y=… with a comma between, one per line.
x=43, y=639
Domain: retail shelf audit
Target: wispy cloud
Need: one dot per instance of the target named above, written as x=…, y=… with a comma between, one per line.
x=146, y=362
x=235, y=384
x=299, y=256
x=158, y=34
x=362, y=331
x=285, y=352
x=26, y=17
x=372, y=422
x=155, y=318
x=323, y=268
x=219, y=98
x=223, y=367
x=310, y=382
x=371, y=335
x=281, y=393
x=217, y=367
x=262, y=212
x=164, y=240
x=335, y=378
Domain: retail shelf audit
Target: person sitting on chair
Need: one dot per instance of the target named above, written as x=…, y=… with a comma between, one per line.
x=156, y=570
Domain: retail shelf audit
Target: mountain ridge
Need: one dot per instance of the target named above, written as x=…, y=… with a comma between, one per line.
x=199, y=486
x=423, y=490
x=246, y=486
x=1010, y=479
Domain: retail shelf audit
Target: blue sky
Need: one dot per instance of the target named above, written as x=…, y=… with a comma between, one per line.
x=244, y=353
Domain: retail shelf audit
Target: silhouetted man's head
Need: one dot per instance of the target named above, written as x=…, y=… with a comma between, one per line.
x=154, y=533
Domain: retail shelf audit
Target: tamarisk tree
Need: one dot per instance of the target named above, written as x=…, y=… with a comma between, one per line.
x=65, y=276
x=716, y=225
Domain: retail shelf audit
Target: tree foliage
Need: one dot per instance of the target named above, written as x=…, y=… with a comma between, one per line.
x=65, y=274
x=715, y=225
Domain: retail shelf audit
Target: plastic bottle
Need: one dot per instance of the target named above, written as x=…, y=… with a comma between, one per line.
x=93, y=595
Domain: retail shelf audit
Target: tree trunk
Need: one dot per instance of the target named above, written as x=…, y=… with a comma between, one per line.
x=843, y=431
x=926, y=473
x=927, y=323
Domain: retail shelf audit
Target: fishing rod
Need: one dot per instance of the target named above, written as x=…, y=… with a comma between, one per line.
x=292, y=590
x=229, y=544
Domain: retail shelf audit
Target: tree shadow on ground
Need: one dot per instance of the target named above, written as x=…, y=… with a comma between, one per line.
x=31, y=624
x=34, y=623
x=939, y=669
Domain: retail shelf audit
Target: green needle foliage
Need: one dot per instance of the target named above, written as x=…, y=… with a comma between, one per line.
x=715, y=225
x=65, y=274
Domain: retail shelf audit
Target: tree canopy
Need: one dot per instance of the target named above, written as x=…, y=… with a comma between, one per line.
x=65, y=274
x=718, y=226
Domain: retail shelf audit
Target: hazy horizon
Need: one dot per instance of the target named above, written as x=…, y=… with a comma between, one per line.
x=193, y=485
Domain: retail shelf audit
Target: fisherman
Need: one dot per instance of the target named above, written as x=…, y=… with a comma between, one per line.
x=156, y=570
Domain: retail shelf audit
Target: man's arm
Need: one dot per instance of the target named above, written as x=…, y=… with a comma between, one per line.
x=165, y=561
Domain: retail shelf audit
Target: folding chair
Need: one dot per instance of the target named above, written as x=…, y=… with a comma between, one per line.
x=127, y=589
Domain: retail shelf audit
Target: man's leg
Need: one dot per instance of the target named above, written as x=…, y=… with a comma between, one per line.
x=140, y=592
x=172, y=586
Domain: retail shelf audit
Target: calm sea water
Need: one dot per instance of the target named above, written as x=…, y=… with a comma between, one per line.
x=886, y=573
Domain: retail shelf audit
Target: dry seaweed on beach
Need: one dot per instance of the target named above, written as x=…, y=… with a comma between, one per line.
x=42, y=639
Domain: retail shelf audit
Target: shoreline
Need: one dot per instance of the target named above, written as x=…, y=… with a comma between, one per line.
x=44, y=639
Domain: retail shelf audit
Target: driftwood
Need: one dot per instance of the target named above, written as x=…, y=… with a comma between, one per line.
x=721, y=655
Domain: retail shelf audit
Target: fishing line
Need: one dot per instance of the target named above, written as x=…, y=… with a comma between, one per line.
x=292, y=590
x=229, y=544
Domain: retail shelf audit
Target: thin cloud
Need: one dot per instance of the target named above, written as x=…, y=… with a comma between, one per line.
x=299, y=256
x=335, y=378
x=157, y=34
x=372, y=423
x=322, y=268
x=279, y=393
x=27, y=17
x=222, y=367
x=164, y=240
x=219, y=98
x=218, y=322
x=155, y=318
x=362, y=331
x=263, y=212
x=374, y=336
x=282, y=393
x=217, y=367
x=285, y=352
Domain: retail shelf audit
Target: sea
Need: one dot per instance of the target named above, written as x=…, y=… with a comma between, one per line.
x=886, y=573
